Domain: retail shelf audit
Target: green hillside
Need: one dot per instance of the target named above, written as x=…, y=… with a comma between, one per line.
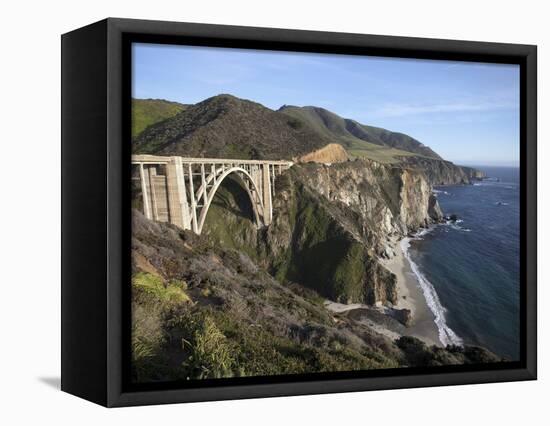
x=360, y=139
x=146, y=112
x=335, y=128
x=230, y=127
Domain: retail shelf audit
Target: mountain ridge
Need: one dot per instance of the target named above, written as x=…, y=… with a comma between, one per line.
x=226, y=126
x=350, y=130
x=320, y=124
x=229, y=127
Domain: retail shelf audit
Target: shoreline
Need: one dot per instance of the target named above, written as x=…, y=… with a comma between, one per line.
x=410, y=296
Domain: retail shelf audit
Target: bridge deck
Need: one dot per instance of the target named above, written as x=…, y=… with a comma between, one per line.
x=155, y=159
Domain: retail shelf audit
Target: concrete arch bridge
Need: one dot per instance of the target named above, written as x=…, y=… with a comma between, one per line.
x=180, y=190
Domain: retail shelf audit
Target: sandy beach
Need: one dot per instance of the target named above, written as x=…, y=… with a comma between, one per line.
x=410, y=296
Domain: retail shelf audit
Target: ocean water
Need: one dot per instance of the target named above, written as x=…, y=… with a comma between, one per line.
x=469, y=270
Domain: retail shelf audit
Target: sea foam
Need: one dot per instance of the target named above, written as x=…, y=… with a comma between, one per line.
x=446, y=335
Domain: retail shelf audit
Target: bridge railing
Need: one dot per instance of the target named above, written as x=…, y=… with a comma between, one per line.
x=157, y=159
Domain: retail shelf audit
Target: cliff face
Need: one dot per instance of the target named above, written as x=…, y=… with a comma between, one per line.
x=331, y=225
x=388, y=200
x=473, y=174
x=440, y=172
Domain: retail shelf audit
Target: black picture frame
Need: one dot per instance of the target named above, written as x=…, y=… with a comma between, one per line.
x=96, y=89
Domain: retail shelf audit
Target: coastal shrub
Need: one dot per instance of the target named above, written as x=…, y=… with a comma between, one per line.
x=321, y=256
x=146, y=332
x=349, y=274
x=148, y=342
x=152, y=286
x=295, y=123
x=210, y=354
x=415, y=351
x=230, y=221
x=478, y=355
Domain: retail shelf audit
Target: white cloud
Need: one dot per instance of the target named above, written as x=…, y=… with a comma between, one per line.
x=399, y=110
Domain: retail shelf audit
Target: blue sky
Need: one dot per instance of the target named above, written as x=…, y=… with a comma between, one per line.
x=466, y=112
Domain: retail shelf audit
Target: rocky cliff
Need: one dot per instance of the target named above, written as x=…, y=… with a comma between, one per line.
x=331, y=226
x=440, y=172
x=332, y=223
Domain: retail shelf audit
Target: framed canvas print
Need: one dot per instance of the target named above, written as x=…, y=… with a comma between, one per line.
x=253, y=212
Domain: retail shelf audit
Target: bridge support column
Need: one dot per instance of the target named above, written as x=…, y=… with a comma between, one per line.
x=177, y=198
x=194, y=222
x=266, y=193
x=152, y=192
x=144, y=177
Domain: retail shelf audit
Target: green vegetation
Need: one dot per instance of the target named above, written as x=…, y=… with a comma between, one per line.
x=359, y=140
x=153, y=286
x=146, y=112
x=378, y=153
x=230, y=220
x=349, y=274
x=200, y=342
x=242, y=322
x=321, y=255
x=210, y=352
x=226, y=126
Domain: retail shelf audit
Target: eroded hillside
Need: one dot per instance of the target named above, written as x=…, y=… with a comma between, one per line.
x=331, y=226
x=203, y=311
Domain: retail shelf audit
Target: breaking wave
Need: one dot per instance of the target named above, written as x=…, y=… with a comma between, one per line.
x=456, y=225
x=446, y=335
x=436, y=192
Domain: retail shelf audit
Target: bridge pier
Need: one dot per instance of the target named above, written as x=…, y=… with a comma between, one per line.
x=178, y=207
x=266, y=181
x=180, y=190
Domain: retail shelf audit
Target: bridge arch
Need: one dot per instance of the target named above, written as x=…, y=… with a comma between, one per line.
x=249, y=186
